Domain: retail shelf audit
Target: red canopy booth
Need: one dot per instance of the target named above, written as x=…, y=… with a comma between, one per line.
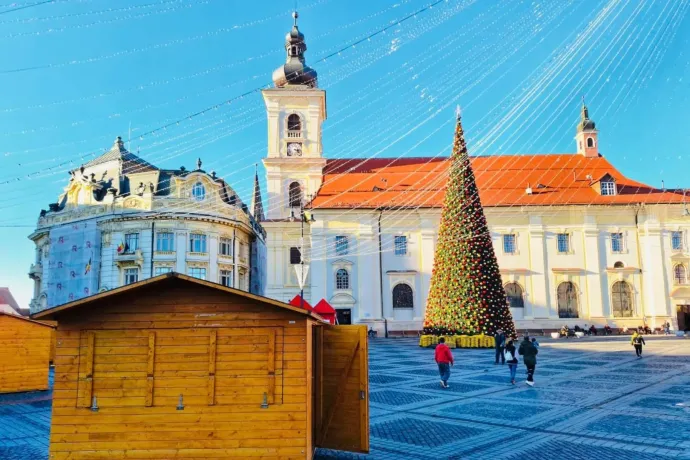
x=297, y=302
x=324, y=310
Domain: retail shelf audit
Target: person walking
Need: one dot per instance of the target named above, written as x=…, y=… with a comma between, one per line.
x=529, y=354
x=637, y=341
x=444, y=359
x=511, y=358
x=535, y=343
x=500, y=342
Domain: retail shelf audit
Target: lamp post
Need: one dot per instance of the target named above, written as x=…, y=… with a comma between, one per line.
x=303, y=220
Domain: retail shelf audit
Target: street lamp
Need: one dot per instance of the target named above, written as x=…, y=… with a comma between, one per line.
x=303, y=219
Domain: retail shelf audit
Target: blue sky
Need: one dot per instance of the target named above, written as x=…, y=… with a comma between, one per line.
x=76, y=74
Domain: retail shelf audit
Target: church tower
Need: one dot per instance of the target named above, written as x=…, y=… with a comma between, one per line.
x=586, y=137
x=296, y=110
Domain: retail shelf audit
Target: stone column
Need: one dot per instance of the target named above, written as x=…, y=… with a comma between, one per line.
x=181, y=251
x=541, y=300
x=428, y=250
x=655, y=301
x=595, y=270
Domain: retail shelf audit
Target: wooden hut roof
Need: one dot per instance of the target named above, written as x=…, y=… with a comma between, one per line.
x=52, y=313
x=23, y=318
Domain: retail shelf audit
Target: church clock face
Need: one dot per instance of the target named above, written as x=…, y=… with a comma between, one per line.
x=294, y=149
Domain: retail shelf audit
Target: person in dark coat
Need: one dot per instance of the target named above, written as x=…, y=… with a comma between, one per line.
x=529, y=357
x=511, y=357
x=500, y=339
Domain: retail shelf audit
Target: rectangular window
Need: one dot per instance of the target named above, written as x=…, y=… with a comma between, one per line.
x=165, y=242
x=400, y=245
x=341, y=245
x=161, y=270
x=677, y=241
x=131, y=275
x=509, y=244
x=616, y=242
x=608, y=188
x=225, y=247
x=131, y=242
x=295, y=256
x=197, y=272
x=197, y=242
x=226, y=278
x=563, y=243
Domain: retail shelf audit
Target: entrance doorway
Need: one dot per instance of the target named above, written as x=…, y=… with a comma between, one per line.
x=684, y=317
x=344, y=315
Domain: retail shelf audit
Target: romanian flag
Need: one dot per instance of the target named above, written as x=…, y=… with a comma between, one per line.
x=121, y=248
x=88, y=267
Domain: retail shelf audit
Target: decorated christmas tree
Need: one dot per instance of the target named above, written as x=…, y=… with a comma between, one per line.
x=466, y=295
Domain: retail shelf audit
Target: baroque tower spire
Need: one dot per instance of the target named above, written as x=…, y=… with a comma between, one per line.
x=257, y=207
x=587, y=134
x=295, y=71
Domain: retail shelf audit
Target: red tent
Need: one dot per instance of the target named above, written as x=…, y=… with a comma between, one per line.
x=295, y=302
x=325, y=310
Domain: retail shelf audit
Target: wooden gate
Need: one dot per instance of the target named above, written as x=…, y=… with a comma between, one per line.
x=344, y=423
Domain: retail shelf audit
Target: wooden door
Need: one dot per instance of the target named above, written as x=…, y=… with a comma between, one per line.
x=345, y=388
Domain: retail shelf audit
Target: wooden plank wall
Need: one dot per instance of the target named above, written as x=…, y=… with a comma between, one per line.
x=25, y=354
x=345, y=422
x=212, y=348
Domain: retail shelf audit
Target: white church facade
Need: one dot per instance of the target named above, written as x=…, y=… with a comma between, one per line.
x=577, y=242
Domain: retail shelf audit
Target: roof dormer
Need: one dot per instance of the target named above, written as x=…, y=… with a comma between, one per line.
x=605, y=185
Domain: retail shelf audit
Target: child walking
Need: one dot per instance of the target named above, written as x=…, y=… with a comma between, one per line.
x=511, y=359
x=637, y=341
x=444, y=359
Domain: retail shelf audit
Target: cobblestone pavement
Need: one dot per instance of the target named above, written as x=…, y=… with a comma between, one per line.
x=593, y=399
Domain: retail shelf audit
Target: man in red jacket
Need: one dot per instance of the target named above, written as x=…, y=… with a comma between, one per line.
x=444, y=359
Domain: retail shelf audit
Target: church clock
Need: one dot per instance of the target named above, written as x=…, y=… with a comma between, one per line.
x=294, y=149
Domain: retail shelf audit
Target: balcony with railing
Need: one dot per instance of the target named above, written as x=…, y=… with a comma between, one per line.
x=135, y=257
x=294, y=134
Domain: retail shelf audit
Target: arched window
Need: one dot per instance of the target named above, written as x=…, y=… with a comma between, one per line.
x=621, y=299
x=402, y=296
x=590, y=142
x=198, y=191
x=342, y=279
x=514, y=295
x=619, y=264
x=679, y=274
x=295, y=195
x=294, y=123
x=567, y=300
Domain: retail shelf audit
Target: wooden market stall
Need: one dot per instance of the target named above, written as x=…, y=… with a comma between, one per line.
x=25, y=356
x=176, y=367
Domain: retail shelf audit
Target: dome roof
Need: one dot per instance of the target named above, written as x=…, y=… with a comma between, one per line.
x=295, y=71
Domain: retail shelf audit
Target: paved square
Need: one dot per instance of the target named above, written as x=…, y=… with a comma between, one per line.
x=593, y=400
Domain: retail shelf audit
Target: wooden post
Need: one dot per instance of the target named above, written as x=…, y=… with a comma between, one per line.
x=212, y=351
x=271, y=366
x=149, y=369
x=85, y=390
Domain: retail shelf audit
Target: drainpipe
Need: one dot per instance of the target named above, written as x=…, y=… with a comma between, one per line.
x=153, y=240
x=385, y=322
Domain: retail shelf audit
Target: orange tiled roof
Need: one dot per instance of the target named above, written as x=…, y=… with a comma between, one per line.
x=555, y=179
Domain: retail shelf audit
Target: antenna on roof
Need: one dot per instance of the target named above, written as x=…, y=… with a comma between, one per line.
x=663, y=186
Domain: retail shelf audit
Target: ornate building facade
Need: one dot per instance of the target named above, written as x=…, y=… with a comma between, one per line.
x=576, y=240
x=121, y=220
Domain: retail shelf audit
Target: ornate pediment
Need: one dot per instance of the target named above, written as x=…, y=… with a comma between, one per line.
x=342, y=299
